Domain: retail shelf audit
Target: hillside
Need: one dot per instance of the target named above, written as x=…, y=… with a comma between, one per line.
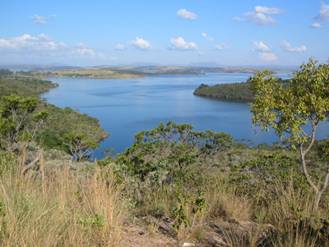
x=230, y=92
x=174, y=186
x=11, y=83
x=236, y=92
x=21, y=94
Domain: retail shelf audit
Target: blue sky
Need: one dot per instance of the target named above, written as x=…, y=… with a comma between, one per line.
x=177, y=32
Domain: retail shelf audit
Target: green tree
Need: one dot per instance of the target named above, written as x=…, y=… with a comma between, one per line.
x=169, y=150
x=79, y=144
x=19, y=120
x=294, y=110
x=77, y=134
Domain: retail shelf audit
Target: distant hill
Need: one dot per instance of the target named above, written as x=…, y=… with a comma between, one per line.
x=13, y=84
x=230, y=92
x=132, y=71
x=239, y=92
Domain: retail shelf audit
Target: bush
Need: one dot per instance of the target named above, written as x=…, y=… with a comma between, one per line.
x=259, y=177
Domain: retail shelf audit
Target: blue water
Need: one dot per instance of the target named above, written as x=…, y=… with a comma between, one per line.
x=126, y=106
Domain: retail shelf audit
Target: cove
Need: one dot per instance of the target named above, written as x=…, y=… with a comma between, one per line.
x=127, y=106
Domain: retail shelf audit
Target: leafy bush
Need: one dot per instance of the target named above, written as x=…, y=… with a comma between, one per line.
x=167, y=151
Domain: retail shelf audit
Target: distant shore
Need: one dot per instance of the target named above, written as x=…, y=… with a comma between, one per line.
x=126, y=72
x=234, y=92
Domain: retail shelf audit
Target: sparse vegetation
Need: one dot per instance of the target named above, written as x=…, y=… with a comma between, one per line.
x=174, y=183
x=290, y=108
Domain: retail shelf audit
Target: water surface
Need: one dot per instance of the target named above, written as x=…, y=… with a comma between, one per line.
x=126, y=106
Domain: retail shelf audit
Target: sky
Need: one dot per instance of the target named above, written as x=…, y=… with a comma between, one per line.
x=170, y=32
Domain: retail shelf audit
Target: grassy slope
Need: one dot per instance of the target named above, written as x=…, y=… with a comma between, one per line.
x=96, y=206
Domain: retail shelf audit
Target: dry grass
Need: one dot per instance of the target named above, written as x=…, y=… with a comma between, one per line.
x=287, y=221
x=293, y=216
x=220, y=204
x=295, y=238
x=71, y=211
x=228, y=206
x=291, y=204
x=68, y=209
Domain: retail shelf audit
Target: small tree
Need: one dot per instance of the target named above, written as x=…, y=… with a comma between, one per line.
x=171, y=149
x=75, y=133
x=19, y=120
x=294, y=110
x=79, y=145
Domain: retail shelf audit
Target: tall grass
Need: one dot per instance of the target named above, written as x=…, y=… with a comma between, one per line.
x=66, y=210
x=71, y=208
x=296, y=222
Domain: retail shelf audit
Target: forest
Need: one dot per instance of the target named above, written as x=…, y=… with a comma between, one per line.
x=236, y=92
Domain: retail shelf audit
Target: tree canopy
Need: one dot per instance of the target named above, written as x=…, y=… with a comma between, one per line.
x=19, y=119
x=294, y=110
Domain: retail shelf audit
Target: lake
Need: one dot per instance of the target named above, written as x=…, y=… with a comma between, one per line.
x=126, y=106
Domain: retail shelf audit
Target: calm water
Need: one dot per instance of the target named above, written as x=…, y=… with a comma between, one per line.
x=126, y=106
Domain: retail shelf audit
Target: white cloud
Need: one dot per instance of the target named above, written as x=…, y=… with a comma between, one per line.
x=288, y=47
x=43, y=45
x=261, y=15
x=316, y=25
x=180, y=44
x=185, y=14
x=141, y=43
x=324, y=12
x=268, y=56
x=39, y=42
x=261, y=46
x=120, y=47
x=264, y=51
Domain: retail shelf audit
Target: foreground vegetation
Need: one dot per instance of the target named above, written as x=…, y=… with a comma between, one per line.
x=174, y=186
x=216, y=194
x=24, y=117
